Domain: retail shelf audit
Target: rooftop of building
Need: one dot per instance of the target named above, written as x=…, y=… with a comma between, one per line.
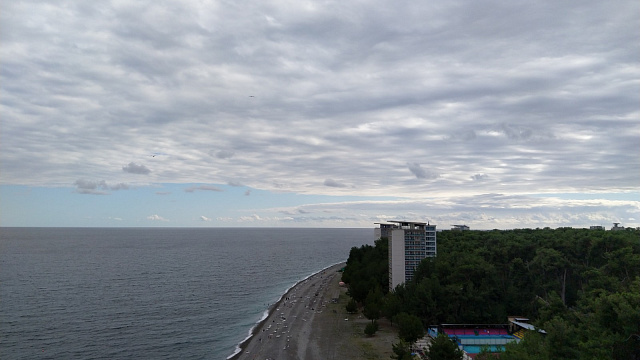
x=404, y=224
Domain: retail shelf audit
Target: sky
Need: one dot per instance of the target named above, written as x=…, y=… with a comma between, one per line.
x=197, y=113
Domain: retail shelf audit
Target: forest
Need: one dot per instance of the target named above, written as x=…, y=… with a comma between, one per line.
x=581, y=286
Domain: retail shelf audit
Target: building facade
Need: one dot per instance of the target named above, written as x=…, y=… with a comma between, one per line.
x=409, y=244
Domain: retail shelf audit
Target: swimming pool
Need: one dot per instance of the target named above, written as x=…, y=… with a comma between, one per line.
x=474, y=349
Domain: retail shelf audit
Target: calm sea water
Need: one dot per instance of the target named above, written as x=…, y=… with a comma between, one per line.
x=105, y=293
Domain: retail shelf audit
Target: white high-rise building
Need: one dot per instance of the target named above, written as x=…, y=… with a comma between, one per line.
x=409, y=244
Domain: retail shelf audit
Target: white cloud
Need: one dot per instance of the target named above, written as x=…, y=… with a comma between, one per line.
x=251, y=218
x=156, y=218
x=485, y=211
x=204, y=218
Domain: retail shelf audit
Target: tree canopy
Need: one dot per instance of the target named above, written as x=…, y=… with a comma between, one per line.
x=443, y=348
x=582, y=286
x=367, y=269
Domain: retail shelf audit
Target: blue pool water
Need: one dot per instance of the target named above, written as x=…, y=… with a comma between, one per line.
x=474, y=349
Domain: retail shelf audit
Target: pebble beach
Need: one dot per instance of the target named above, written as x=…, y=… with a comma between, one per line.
x=309, y=323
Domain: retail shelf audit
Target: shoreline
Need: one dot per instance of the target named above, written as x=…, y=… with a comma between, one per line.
x=270, y=311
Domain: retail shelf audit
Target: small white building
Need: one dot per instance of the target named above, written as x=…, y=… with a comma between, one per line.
x=459, y=227
x=617, y=227
x=409, y=243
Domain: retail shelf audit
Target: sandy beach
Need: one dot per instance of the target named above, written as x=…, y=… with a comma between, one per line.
x=310, y=322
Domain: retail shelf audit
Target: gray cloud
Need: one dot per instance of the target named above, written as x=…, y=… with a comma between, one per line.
x=120, y=186
x=520, y=95
x=202, y=188
x=333, y=183
x=421, y=173
x=97, y=187
x=90, y=187
x=134, y=168
x=479, y=177
x=224, y=154
x=463, y=135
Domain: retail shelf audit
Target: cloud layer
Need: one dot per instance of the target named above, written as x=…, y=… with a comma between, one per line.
x=410, y=99
x=134, y=168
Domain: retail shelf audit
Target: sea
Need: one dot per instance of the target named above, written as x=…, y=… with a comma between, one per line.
x=151, y=293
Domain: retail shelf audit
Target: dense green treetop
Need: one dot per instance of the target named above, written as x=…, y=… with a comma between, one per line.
x=443, y=348
x=581, y=286
x=367, y=269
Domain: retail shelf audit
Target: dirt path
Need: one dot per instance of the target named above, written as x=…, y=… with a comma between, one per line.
x=339, y=335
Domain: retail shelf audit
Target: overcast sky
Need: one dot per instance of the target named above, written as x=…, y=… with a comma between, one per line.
x=494, y=114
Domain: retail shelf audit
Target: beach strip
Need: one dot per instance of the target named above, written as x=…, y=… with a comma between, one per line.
x=284, y=333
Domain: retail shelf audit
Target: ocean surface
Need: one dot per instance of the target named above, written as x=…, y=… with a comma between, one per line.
x=150, y=293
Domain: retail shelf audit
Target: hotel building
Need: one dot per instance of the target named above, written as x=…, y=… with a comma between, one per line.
x=409, y=244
